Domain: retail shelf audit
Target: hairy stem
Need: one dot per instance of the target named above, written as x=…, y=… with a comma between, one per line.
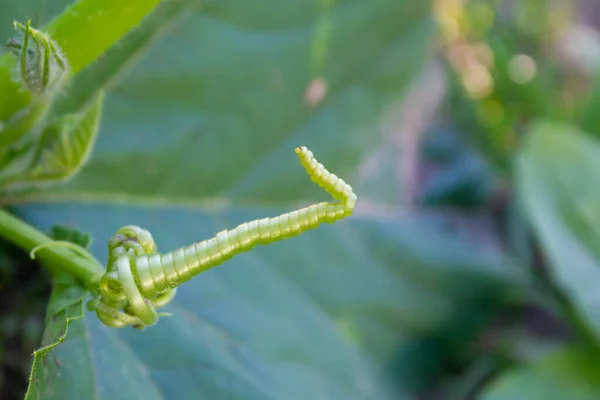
x=54, y=258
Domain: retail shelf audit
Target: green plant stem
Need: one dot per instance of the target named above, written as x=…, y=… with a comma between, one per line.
x=55, y=259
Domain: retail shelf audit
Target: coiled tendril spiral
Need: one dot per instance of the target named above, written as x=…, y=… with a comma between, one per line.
x=138, y=280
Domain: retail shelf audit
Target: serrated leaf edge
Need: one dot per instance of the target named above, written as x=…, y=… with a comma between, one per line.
x=45, y=350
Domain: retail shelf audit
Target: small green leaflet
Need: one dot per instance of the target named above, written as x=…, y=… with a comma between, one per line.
x=63, y=148
x=64, y=307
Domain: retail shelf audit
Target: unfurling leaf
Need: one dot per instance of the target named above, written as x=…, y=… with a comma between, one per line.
x=21, y=123
x=63, y=148
x=66, y=143
x=42, y=70
x=42, y=65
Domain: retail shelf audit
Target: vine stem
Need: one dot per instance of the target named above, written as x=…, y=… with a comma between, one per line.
x=54, y=258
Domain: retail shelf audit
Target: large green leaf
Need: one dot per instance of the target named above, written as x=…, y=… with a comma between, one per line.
x=557, y=181
x=204, y=108
x=572, y=373
x=222, y=97
x=65, y=307
x=301, y=318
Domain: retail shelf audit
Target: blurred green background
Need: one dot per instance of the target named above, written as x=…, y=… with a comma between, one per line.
x=470, y=269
